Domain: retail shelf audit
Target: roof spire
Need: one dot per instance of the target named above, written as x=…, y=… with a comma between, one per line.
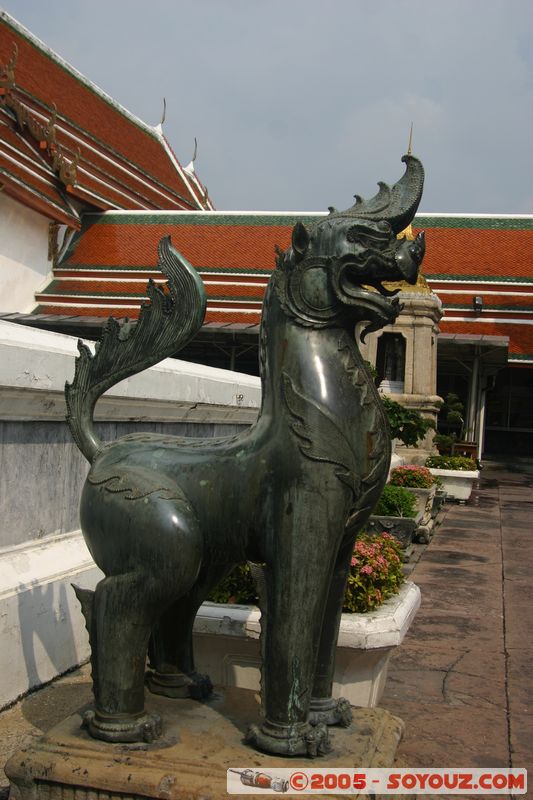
x=163, y=115
x=410, y=145
x=190, y=166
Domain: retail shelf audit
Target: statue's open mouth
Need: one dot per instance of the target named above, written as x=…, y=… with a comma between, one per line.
x=360, y=285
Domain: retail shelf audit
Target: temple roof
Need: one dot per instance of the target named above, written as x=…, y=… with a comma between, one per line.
x=64, y=142
x=109, y=261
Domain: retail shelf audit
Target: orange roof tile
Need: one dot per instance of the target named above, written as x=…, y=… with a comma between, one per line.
x=129, y=163
x=234, y=252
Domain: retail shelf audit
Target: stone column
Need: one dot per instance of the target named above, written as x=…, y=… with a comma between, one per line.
x=418, y=324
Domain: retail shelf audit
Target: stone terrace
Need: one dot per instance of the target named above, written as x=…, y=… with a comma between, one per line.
x=462, y=680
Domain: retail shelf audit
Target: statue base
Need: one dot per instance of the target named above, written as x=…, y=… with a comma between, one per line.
x=200, y=741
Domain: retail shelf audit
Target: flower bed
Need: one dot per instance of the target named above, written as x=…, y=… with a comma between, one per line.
x=396, y=514
x=457, y=474
x=412, y=477
x=227, y=647
x=375, y=575
x=422, y=485
x=462, y=463
x=379, y=607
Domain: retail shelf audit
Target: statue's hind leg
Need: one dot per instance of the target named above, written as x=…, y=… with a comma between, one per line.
x=151, y=554
x=171, y=647
x=324, y=708
x=123, y=613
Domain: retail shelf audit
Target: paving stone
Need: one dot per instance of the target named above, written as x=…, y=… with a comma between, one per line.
x=445, y=737
x=442, y=596
x=522, y=742
x=468, y=659
x=519, y=601
x=442, y=626
x=520, y=680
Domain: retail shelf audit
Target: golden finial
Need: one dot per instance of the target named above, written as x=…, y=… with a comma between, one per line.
x=410, y=146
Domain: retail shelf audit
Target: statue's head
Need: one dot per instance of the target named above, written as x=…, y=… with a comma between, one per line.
x=334, y=271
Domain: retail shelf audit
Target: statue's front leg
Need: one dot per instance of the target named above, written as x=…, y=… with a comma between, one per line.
x=297, y=581
x=324, y=708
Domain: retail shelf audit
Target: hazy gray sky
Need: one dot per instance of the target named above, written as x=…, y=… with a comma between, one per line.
x=297, y=104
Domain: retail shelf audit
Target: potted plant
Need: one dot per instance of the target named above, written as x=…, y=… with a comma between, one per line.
x=444, y=443
x=396, y=513
x=457, y=474
x=420, y=482
x=452, y=411
x=378, y=610
x=406, y=424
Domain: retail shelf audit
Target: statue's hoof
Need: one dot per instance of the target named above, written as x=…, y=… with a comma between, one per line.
x=290, y=740
x=122, y=727
x=328, y=711
x=201, y=686
x=179, y=685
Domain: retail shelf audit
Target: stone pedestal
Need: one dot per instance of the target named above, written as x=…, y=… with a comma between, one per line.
x=190, y=762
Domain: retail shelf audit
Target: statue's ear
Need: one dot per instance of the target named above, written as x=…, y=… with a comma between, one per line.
x=300, y=240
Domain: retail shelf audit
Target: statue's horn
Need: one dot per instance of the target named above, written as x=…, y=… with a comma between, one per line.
x=396, y=205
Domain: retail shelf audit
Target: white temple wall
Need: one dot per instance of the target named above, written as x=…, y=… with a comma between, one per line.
x=24, y=267
x=42, y=551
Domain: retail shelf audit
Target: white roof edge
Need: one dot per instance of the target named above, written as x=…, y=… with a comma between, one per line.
x=462, y=215
x=230, y=213
x=158, y=130
x=213, y=213
x=75, y=73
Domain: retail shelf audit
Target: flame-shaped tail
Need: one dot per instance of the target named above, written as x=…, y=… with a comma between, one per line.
x=165, y=325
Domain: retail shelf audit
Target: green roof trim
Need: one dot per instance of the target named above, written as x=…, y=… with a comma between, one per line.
x=487, y=306
x=153, y=269
x=53, y=289
x=291, y=218
x=203, y=218
x=455, y=278
x=510, y=223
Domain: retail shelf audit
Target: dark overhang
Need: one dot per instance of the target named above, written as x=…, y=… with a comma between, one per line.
x=461, y=349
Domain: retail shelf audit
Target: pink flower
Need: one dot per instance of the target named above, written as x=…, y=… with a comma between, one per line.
x=366, y=570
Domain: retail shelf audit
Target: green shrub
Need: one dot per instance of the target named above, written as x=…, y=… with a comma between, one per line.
x=451, y=413
x=395, y=501
x=375, y=574
x=412, y=477
x=406, y=424
x=444, y=443
x=238, y=587
x=451, y=462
